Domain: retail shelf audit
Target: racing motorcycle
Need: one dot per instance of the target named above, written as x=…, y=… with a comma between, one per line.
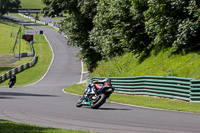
x=12, y=80
x=11, y=83
x=96, y=95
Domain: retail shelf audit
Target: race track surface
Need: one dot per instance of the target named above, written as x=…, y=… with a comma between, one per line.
x=44, y=103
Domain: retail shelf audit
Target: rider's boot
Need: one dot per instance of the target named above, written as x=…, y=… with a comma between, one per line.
x=86, y=102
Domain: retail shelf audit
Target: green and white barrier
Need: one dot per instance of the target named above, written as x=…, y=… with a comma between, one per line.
x=18, y=69
x=187, y=89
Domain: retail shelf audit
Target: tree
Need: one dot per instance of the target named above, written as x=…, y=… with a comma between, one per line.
x=103, y=29
x=6, y=5
x=77, y=25
x=173, y=23
x=119, y=27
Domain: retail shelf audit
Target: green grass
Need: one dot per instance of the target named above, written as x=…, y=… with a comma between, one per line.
x=32, y=4
x=8, y=36
x=16, y=15
x=13, y=127
x=76, y=89
x=163, y=64
x=44, y=54
x=145, y=101
x=7, y=39
x=19, y=16
x=4, y=69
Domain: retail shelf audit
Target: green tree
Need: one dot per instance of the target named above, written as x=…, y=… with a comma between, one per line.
x=173, y=23
x=6, y=5
x=103, y=29
x=77, y=25
x=119, y=27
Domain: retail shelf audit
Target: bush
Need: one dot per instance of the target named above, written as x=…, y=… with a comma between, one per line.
x=173, y=23
x=119, y=27
x=103, y=29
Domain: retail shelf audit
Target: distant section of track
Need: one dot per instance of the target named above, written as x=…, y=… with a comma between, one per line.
x=45, y=104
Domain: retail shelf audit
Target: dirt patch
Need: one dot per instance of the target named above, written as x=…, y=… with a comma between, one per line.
x=7, y=60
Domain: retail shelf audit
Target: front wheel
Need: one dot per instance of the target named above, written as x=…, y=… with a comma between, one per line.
x=10, y=84
x=100, y=100
x=79, y=102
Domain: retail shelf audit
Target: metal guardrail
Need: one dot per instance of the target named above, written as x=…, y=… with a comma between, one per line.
x=52, y=24
x=28, y=54
x=18, y=69
x=170, y=87
x=23, y=67
x=195, y=90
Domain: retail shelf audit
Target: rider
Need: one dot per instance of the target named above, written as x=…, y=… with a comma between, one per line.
x=91, y=88
x=13, y=78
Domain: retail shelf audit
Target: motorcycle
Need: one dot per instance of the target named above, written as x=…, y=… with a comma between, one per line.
x=95, y=95
x=11, y=83
x=12, y=80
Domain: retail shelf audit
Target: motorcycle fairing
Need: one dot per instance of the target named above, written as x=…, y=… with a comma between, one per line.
x=98, y=87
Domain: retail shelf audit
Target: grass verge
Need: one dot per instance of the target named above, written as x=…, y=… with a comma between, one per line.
x=32, y=4
x=164, y=63
x=31, y=75
x=145, y=101
x=8, y=36
x=13, y=127
x=16, y=15
x=4, y=69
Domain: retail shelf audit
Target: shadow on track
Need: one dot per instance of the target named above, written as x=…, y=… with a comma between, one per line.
x=29, y=24
x=3, y=95
x=113, y=109
x=125, y=109
x=7, y=98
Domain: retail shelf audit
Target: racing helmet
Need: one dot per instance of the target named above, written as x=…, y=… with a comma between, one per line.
x=107, y=82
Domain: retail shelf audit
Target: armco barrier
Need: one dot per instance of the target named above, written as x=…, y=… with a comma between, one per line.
x=195, y=90
x=54, y=25
x=18, y=69
x=170, y=87
x=29, y=54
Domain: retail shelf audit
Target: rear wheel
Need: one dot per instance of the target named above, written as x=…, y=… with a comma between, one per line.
x=100, y=100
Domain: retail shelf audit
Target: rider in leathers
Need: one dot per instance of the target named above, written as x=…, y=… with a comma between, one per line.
x=13, y=79
x=91, y=87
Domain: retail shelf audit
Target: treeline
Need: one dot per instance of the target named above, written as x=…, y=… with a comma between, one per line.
x=6, y=5
x=106, y=28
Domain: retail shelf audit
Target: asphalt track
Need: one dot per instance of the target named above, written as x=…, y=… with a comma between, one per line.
x=44, y=103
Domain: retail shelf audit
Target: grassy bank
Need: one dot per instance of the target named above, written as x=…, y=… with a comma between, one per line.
x=41, y=47
x=163, y=63
x=31, y=75
x=8, y=36
x=7, y=40
x=16, y=15
x=13, y=127
x=32, y=4
x=145, y=101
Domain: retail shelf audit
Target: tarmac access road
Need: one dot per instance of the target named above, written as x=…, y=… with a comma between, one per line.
x=44, y=103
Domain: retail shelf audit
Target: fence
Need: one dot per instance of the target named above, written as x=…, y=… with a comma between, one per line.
x=29, y=54
x=18, y=69
x=170, y=87
x=55, y=25
x=195, y=90
x=23, y=67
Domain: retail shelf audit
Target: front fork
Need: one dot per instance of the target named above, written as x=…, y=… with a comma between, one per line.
x=87, y=90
